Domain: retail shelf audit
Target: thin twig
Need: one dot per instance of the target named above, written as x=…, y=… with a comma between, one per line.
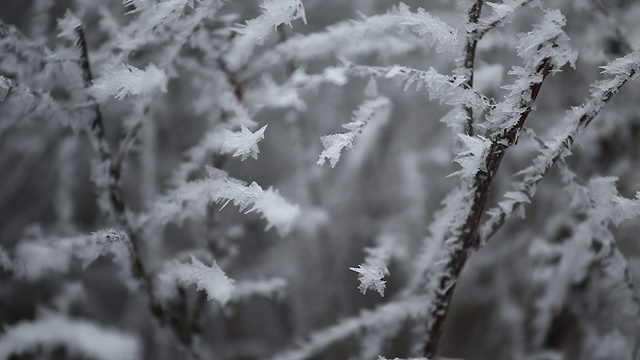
x=467, y=67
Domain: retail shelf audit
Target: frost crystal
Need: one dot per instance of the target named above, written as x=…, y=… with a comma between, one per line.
x=472, y=158
x=370, y=278
x=128, y=80
x=373, y=271
x=243, y=143
x=210, y=279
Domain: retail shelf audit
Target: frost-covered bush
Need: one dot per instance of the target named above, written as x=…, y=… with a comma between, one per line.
x=307, y=179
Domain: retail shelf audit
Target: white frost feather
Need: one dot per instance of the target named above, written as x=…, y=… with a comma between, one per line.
x=127, y=80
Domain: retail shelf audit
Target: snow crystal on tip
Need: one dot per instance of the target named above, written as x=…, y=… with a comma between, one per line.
x=334, y=143
x=373, y=270
x=242, y=143
x=370, y=277
x=211, y=279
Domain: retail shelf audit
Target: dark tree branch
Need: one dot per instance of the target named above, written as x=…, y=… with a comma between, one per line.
x=469, y=56
x=465, y=235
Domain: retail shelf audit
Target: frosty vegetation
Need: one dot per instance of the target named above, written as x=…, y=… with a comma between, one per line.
x=319, y=179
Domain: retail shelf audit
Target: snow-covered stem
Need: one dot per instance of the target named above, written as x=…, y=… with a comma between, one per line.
x=451, y=90
x=97, y=131
x=192, y=198
x=383, y=33
x=576, y=121
x=384, y=315
x=80, y=337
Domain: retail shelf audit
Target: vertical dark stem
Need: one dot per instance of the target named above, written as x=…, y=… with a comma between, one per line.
x=117, y=205
x=470, y=56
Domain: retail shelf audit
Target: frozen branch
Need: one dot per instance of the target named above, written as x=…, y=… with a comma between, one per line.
x=550, y=53
x=576, y=120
